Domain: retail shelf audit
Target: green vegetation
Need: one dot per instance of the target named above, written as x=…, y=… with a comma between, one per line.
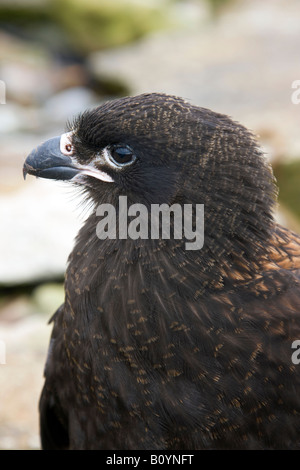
x=288, y=180
x=91, y=24
x=95, y=25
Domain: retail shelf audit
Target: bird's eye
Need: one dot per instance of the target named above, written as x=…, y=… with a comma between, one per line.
x=122, y=155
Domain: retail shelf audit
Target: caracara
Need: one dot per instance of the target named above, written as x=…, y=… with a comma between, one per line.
x=162, y=343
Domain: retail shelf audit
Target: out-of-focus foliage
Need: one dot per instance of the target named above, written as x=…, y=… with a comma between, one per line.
x=216, y=5
x=95, y=25
x=288, y=177
x=90, y=24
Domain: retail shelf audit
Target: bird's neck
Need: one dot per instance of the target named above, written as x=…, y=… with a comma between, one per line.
x=137, y=291
x=116, y=265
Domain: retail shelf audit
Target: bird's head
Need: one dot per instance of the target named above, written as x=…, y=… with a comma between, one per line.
x=135, y=146
x=156, y=148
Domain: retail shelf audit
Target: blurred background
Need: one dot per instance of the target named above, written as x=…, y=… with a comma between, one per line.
x=59, y=57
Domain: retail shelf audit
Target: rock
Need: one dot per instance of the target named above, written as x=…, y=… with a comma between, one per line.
x=12, y=119
x=13, y=309
x=26, y=343
x=34, y=86
x=15, y=118
x=40, y=226
x=68, y=103
x=243, y=64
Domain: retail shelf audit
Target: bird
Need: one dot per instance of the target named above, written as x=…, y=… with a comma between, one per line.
x=156, y=346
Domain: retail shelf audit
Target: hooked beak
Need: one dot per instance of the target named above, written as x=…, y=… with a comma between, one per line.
x=54, y=159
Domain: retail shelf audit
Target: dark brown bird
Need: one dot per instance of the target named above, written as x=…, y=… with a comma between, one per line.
x=158, y=346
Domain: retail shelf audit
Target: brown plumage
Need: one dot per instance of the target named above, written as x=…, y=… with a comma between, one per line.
x=158, y=347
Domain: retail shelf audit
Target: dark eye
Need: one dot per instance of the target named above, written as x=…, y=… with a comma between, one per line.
x=122, y=155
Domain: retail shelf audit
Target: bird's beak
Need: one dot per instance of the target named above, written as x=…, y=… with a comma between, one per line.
x=54, y=159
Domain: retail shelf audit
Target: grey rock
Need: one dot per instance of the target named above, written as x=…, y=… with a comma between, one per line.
x=242, y=64
x=68, y=103
x=38, y=226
